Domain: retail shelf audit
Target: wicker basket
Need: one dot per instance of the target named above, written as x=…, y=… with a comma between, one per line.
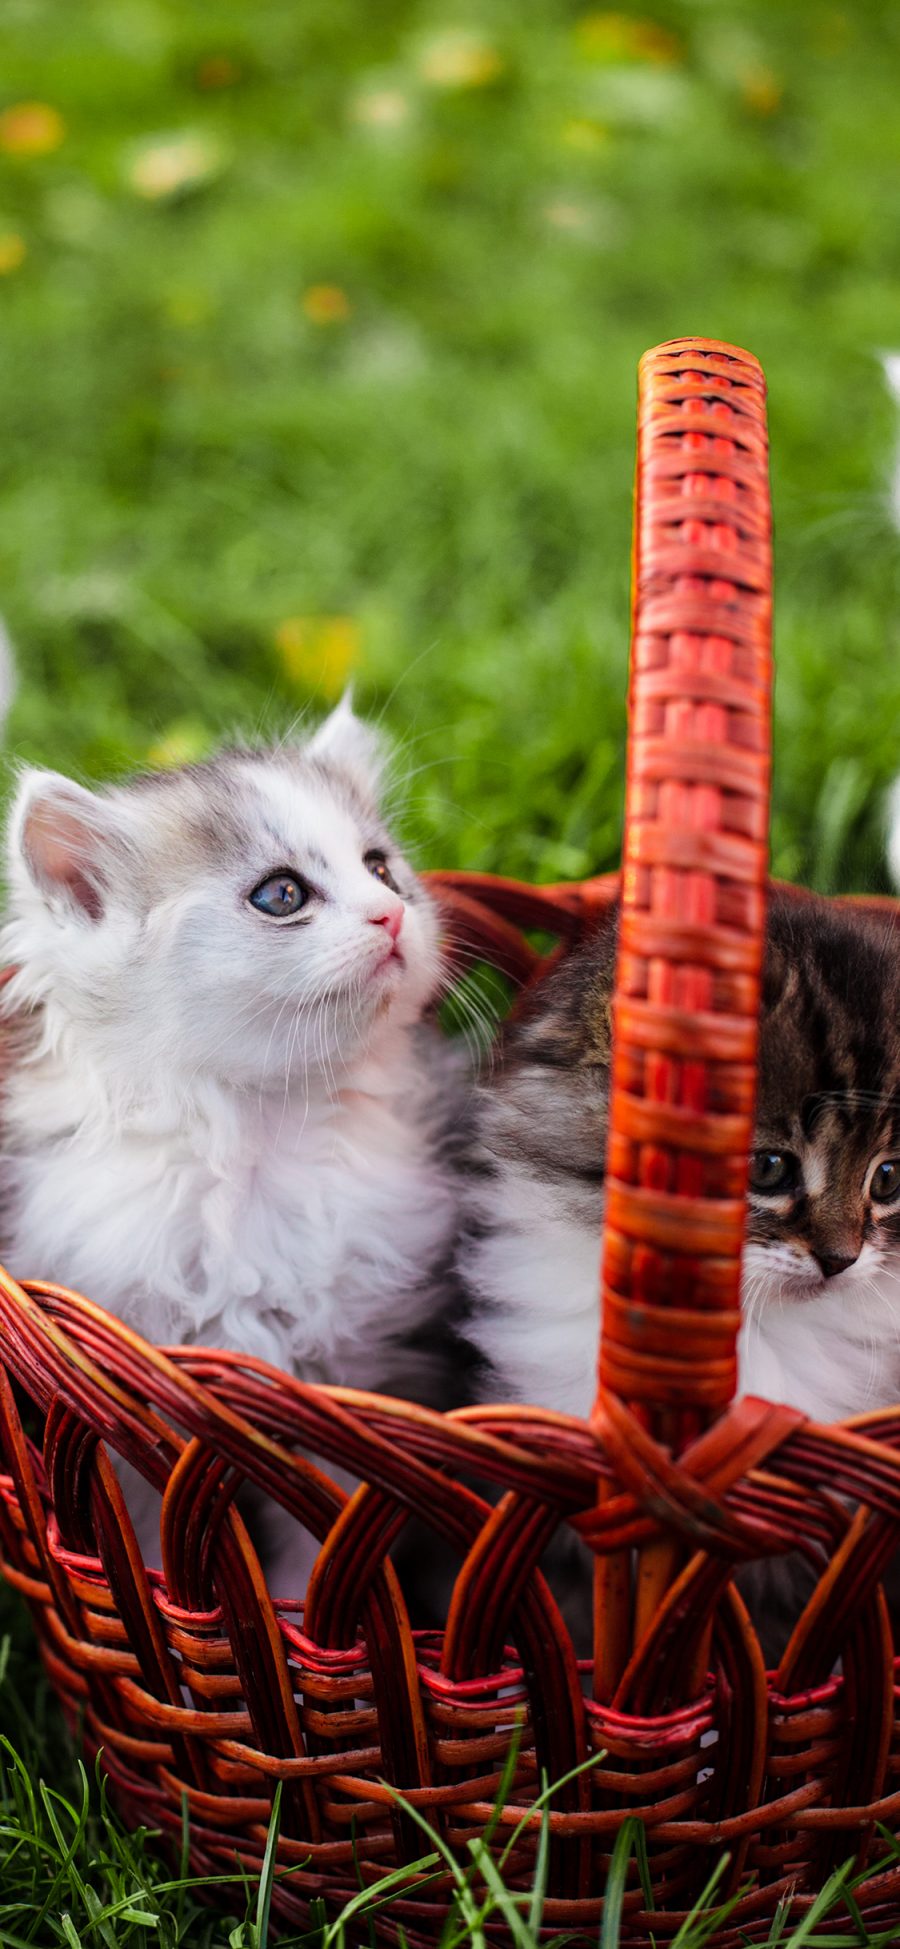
x=670, y=1483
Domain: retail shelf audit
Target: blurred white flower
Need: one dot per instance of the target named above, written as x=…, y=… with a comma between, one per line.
x=171, y=165
x=891, y=364
x=7, y=672
x=384, y=109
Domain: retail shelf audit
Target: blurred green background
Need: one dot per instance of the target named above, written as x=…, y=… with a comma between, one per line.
x=320, y=321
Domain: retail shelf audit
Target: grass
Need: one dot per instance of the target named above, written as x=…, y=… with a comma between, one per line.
x=71, y=1877
x=319, y=332
x=357, y=382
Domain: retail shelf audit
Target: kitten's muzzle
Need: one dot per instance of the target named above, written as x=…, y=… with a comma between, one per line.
x=832, y=1263
x=391, y=920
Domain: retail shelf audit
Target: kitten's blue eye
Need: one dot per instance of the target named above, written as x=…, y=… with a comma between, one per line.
x=280, y=896
x=773, y=1172
x=885, y=1185
x=378, y=867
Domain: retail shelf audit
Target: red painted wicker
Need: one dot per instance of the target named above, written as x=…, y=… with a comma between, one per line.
x=196, y=1684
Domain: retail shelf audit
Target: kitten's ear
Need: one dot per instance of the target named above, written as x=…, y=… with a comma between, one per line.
x=68, y=840
x=351, y=746
x=777, y=976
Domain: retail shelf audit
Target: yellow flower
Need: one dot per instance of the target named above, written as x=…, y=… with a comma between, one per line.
x=318, y=652
x=620, y=37
x=168, y=165
x=582, y=132
x=182, y=744
x=460, y=58
x=31, y=129
x=13, y=250
x=326, y=304
x=761, y=90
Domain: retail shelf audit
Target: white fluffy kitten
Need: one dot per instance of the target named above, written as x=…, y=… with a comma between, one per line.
x=224, y=1124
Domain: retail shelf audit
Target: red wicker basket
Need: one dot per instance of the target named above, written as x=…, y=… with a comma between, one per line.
x=197, y=1686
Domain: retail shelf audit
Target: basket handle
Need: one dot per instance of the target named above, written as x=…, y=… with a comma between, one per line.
x=693, y=889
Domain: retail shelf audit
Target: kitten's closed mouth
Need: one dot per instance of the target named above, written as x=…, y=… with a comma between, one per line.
x=804, y=1291
x=394, y=958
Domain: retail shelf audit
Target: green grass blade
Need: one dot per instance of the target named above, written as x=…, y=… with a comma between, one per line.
x=848, y=1897
x=825, y=1900
x=504, y=1784
x=708, y=1920
x=501, y=1896
x=541, y=1868
x=775, y=1937
x=377, y=1894
x=617, y=1882
x=267, y=1872
x=643, y=1866
x=184, y=1855
x=544, y=1798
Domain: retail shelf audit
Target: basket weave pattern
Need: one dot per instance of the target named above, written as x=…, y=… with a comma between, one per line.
x=196, y=1684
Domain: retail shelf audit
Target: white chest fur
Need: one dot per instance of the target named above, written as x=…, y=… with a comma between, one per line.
x=300, y=1229
x=536, y=1274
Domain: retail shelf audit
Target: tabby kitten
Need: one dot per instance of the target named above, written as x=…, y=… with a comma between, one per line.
x=821, y=1279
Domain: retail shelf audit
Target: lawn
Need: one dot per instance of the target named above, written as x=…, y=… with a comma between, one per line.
x=320, y=322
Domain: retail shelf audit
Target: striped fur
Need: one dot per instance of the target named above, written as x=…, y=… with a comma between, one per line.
x=829, y=1096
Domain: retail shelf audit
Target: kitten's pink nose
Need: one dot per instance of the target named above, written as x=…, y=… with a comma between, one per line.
x=391, y=919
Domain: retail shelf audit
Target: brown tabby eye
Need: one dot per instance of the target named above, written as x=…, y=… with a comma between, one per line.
x=772, y=1172
x=885, y=1185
